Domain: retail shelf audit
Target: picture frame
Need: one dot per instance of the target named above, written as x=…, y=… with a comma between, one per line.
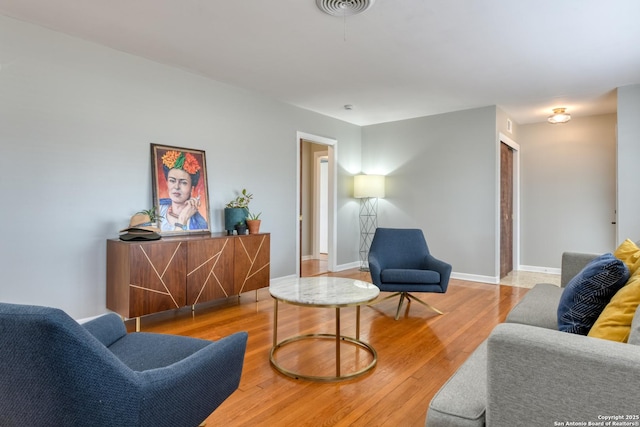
x=180, y=190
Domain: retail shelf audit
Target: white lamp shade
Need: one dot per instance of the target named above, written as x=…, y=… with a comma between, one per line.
x=368, y=186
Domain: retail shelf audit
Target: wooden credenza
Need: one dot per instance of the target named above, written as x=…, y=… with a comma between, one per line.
x=173, y=272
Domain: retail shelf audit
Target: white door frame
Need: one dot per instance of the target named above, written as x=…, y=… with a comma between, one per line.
x=332, y=149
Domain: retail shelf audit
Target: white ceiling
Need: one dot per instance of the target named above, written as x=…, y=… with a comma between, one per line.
x=400, y=59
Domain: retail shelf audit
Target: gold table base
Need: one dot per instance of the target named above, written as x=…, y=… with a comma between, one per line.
x=338, y=339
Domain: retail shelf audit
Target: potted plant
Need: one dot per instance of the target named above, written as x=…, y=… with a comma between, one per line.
x=253, y=222
x=236, y=210
x=154, y=216
x=241, y=228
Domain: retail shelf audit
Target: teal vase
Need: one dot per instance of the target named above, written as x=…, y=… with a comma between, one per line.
x=233, y=216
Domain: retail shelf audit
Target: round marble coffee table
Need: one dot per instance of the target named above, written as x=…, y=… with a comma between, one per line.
x=329, y=292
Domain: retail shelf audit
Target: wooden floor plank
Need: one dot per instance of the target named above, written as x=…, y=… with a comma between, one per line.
x=416, y=354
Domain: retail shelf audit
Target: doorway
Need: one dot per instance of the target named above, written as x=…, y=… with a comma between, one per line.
x=314, y=232
x=509, y=206
x=320, y=204
x=316, y=212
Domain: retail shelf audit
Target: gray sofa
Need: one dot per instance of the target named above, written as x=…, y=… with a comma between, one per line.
x=529, y=373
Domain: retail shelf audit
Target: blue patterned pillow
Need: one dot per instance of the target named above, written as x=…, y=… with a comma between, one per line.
x=587, y=294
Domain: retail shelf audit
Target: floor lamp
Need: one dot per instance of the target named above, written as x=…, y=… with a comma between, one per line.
x=367, y=188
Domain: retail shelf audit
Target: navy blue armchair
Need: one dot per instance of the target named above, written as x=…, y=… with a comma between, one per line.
x=400, y=262
x=57, y=372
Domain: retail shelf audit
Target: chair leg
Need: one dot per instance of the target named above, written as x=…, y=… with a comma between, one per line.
x=411, y=297
x=383, y=299
x=402, y=296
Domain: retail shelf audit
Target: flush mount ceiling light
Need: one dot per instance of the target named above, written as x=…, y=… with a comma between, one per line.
x=559, y=116
x=344, y=7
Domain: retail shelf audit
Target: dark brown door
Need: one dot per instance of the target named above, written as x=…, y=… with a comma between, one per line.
x=506, y=209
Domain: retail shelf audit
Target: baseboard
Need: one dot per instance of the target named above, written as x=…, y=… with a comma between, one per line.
x=534, y=269
x=348, y=266
x=476, y=278
x=283, y=278
x=494, y=280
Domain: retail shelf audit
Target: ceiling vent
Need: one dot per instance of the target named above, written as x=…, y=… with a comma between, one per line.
x=344, y=7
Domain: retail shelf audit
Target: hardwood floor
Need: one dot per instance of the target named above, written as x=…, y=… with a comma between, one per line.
x=416, y=354
x=314, y=266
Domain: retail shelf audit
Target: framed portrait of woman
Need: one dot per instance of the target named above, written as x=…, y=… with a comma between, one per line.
x=180, y=192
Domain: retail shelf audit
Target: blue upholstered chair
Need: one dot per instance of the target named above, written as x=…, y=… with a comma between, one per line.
x=400, y=262
x=56, y=372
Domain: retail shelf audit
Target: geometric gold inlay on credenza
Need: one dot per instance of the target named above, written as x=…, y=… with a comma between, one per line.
x=215, y=257
x=253, y=268
x=149, y=277
x=159, y=275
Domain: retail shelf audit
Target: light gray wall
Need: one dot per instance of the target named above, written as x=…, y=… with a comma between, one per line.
x=76, y=121
x=501, y=125
x=628, y=161
x=441, y=177
x=568, y=182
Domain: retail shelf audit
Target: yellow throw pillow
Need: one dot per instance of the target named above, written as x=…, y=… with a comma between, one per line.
x=629, y=253
x=614, y=323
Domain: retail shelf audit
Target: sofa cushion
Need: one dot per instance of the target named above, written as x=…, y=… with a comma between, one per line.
x=614, y=323
x=405, y=275
x=629, y=253
x=572, y=264
x=144, y=350
x=586, y=295
x=539, y=307
x=462, y=400
x=107, y=328
x=634, y=335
